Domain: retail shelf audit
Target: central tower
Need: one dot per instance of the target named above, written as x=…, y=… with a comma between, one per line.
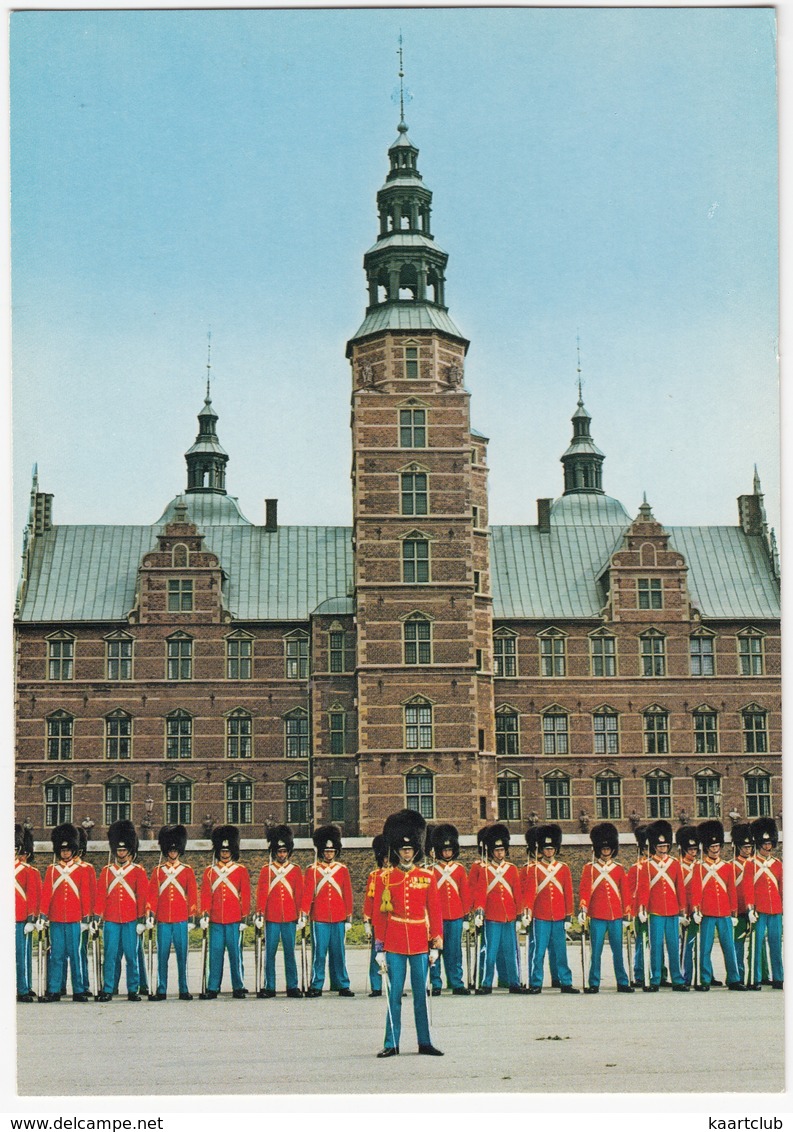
x=422, y=578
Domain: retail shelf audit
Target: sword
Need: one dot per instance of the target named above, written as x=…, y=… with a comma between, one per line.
x=750, y=949
x=43, y=958
x=150, y=945
x=583, y=956
x=646, y=951
x=468, y=982
x=303, y=959
x=95, y=951
x=629, y=950
x=204, y=949
x=257, y=958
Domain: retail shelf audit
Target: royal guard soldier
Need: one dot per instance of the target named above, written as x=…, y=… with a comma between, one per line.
x=27, y=889
x=531, y=862
x=639, y=926
x=278, y=896
x=87, y=936
x=742, y=848
x=496, y=898
x=452, y=881
x=687, y=839
x=172, y=901
x=66, y=910
x=477, y=921
x=661, y=899
x=225, y=905
x=718, y=906
x=327, y=901
x=407, y=927
x=764, y=896
x=548, y=903
x=380, y=851
x=121, y=903
x=604, y=900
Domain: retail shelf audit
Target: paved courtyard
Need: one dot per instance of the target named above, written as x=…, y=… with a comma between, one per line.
x=503, y=1043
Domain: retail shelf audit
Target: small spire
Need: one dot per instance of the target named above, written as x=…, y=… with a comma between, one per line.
x=402, y=127
x=209, y=359
x=578, y=369
x=756, y=482
x=646, y=511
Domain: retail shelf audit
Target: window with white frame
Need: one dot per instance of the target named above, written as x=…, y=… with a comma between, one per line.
x=653, y=646
x=118, y=657
x=509, y=808
x=296, y=734
x=507, y=735
x=556, y=787
x=412, y=428
x=706, y=733
x=239, y=734
x=755, y=730
x=417, y=639
x=57, y=801
x=180, y=595
x=420, y=791
x=60, y=657
x=179, y=735
x=418, y=725
x=413, y=493
x=297, y=800
x=701, y=655
x=707, y=792
x=605, y=724
x=757, y=792
x=750, y=653
x=239, y=800
x=608, y=796
x=415, y=560
x=505, y=663
x=178, y=801
x=239, y=657
x=337, y=728
x=656, y=731
x=118, y=800
x=118, y=735
x=555, y=735
x=60, y=736
x=553, y=659
x=296, y=645
x=180, y=657
x=658, y=794
x=603, y=654
x=337, y=796
x=650, y=592
x=341, y=655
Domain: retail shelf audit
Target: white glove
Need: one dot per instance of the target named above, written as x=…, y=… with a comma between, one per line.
x=582, y=917
x=30, y=924
x=643, y=915
x=381, y=962
x=258, y=922
x=568, y=923
x=348, y=927
x=367, y=929
x=697, y=917
x=684, y=921
x=140, y=927
x=526, y=920
x=301, y=922
x=479, y=918
x=734, y=921
x=752, y=915
x=204, y=921
x=241, y=926
x=466, y=926
x=150, y=920
x=42, y=922
x=433, y=955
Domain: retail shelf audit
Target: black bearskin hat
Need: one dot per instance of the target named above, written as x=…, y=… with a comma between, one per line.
x=659, y=831
x=741, y=835
x=121, y=834
x=550, y=834
x=531, y=840
x=65, y=837
x=172, y=837
x=605, y=836
x=23, y=841
x=327, y=837
x=495, y=836
x=640, y=833
x=279, y=835
x=710, y=832
x=445, y=836
x=763, y=829
x=380, y=849
x=480, y=839
x=226, y=837
x=406, y=827
x=687, y=838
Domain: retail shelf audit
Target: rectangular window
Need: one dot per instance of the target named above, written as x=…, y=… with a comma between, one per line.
x=119, y=660
x=297, y=801
x=701, y=654
x=477, y=581
x=604, y=659
x=180, y=659
x=419, y=794
x=554, y=734
x=297, y=737
x=341, y=659
x=58, y=799
x=180, y=595
x=607, y=736
x=118, y=737
x=239, y=737
x=118, y=797
x=415, y=560
x=297, y=658
x=411, y=361
x=178, y=803
x=239, y=658
x=504, y=656
x=557, y=799
x=658, y=795
x=179, y=737
x=418, y=727
x=608, y=798
x=509, y=798
x=552, y=654
x=755, y=734
x=758, y=795
x=337, y=729
x=650, y=593
x=750, y=651
x=656, y=733
x=414, y=493
x=418, y=641
x=60, y=732
x=708, y=795
x=337, y=788
x=412, y=428
x=239, y=801
x=506, y=733
x=706, y=735
x=653, y=656
x=61, y=660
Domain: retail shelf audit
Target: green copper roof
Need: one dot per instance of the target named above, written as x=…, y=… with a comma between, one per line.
x=588, y=508
x=206, y=510
x=407, y=316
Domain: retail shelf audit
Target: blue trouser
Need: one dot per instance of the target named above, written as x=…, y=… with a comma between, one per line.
x=664, y=930
x=222, y=938
x=286, y=933
x=638, y=954
x=692, y=931
x=740, y=936
x=452, y=956
x=770, y=926
x=168, y=935
x=598, y=930
x=708, y=928
x=329, y=943
x=549, y=936
x=551, y=956
x=397, y=970
x=500, y=939
x=375, y=978
x=65, y=949
x=143, y=980
x=121, y=938
x=24, y=955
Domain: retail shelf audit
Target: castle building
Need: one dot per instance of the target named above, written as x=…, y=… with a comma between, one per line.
x=207, y=669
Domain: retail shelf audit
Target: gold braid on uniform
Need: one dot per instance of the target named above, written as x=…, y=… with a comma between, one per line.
x=386, y=904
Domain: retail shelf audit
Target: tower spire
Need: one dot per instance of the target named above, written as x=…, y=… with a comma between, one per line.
x=206, y=459
x=583, y=460
x=209, y=359
x=402, y=123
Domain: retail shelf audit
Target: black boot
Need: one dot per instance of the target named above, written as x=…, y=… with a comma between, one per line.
x=430, y=1050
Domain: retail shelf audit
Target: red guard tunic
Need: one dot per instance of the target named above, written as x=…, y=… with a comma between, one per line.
x=692, y=882
x=549, y=891
x=661, y=890
x=279, y=892
x=452, y=882
x=633, y=883
x=121, y=893
x=717, y=881
x=763, y=885
x=173, y=893
x=739, y=867
x=327, y=892
x=27, y=888
x=226, y=892
x=496, y=888
x=368, y=900
x=603, y=892
x=415, y=919
x=66, y=892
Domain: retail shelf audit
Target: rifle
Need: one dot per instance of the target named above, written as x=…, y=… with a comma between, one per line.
x=583, y=955
x=628, y=930
x=257, y=957
x=204, y=950
x=304, y=980
x=751, y=951
x=95, y=941
x=150, y=947
x=43, y=961
x=469, y=981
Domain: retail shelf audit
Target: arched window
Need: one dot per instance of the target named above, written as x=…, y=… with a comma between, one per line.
x=180, y=556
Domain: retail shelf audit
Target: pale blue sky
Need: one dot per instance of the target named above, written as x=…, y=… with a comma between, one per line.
x=608, y=172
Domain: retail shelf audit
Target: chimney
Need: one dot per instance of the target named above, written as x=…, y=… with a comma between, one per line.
x=42, y=512
x=544, y=515
x=271, y=514
x=750, y=514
